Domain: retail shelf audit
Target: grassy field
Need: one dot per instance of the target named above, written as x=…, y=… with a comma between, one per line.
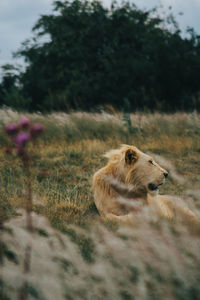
x=156, y=259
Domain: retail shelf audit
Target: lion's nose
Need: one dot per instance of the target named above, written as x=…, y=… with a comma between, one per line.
x=165, y=174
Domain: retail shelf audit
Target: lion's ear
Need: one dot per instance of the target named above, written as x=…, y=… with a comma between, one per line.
x=131, y=156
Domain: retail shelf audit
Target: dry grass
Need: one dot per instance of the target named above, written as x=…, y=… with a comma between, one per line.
x=86, y=259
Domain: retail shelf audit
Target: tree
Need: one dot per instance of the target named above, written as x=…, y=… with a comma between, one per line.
x=95, y=56
x=11, y=90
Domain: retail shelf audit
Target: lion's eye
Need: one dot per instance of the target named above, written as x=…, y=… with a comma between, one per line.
x=151, y=162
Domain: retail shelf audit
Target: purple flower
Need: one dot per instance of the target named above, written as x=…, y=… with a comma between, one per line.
x=22, y=138
x=11, y=129
x=36, y=129
x=24, y=123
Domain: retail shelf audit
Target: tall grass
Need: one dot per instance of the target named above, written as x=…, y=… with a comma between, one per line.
x=75, y=255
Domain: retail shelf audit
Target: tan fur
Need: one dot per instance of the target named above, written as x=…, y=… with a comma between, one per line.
x=135, y=176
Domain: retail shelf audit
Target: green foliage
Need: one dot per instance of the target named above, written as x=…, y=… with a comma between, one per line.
x=11, y=89
x=96, y=56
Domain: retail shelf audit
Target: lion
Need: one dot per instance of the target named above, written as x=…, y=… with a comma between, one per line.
x=134, y=176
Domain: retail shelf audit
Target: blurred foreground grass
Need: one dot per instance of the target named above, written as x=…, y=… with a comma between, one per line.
x=64, y=161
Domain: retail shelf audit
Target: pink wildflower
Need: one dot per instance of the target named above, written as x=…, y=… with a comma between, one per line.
x=36, y=129
x=24, y=122
x=22, y=138
x=11, y=128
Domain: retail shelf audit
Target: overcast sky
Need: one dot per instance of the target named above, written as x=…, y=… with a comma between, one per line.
x=17, y=17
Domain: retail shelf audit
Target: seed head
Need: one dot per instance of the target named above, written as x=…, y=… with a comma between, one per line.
x=8, y=150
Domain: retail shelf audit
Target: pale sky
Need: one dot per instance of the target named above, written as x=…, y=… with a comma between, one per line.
x=17, y=17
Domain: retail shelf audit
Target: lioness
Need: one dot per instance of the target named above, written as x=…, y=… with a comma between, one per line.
x=136, y=177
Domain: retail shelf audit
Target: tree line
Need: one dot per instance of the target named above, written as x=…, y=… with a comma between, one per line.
x=93, y=56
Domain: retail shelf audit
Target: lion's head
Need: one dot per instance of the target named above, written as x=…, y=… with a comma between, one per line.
x=142, y=171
